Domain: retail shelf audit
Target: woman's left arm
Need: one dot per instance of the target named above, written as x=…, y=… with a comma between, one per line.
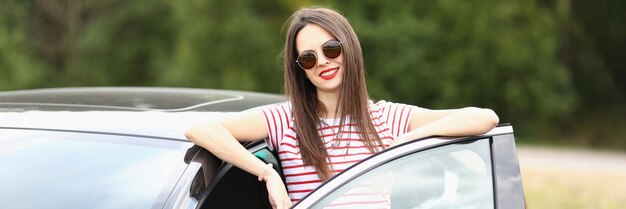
x=453, y=122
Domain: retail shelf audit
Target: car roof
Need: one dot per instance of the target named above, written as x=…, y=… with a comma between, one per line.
x=164, y=99
x=156, y=112
x=163, y=125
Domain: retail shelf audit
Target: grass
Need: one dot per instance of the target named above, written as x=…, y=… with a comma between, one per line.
x=556, y=189
x=602, y=130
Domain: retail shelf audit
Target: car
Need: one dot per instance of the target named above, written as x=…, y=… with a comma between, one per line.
x=124, y=147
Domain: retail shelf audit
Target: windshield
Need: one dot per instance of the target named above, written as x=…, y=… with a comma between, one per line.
x=49, y=169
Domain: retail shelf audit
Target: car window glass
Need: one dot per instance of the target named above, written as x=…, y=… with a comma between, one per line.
x=451, y=176
x=48, y=169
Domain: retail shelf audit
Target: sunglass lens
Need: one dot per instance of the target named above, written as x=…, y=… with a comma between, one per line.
x=332, y=49
x=307, y=60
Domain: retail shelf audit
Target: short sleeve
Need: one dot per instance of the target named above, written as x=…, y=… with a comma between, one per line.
x=278, y=120
x=396, y=115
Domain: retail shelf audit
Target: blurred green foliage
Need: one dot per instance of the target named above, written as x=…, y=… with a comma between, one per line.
x=449, y=53
x=542, y=65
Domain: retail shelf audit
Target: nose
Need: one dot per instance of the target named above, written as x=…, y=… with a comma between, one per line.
x=321, y=58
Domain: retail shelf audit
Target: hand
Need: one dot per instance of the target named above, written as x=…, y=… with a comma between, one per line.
x=399, y=140
x=279, y=199
x=416, y=134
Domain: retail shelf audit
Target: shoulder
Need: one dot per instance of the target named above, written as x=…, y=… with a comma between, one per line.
x=393, y=110
x=386, y=105
x=278, y=113
x=378, y=104
x=284, y=107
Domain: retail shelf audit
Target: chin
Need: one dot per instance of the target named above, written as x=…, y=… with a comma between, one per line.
x=333, y=88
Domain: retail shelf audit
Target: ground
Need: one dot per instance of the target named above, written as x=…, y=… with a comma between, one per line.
x=568, y=178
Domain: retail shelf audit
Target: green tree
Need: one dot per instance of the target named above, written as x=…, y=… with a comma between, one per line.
x=76, y=43
x=594, y=43
x=227, y=44
x=19, y=66
x=124, y=43
x=444, y=54
x=534, y=64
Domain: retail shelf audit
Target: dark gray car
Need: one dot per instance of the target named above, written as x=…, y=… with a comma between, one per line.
x=124, y=148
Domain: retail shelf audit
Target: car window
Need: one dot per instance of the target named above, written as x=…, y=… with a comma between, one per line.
x=451, y=176
x=232, y=181
x=50, y=169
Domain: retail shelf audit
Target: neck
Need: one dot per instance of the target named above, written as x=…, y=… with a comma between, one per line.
x=329, y=100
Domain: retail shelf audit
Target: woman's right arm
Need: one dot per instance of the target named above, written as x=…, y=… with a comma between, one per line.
x=222, y=138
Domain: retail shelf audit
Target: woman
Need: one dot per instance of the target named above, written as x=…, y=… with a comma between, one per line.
x=329, y=122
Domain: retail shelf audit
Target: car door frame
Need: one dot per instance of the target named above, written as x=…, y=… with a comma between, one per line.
x=507, y=181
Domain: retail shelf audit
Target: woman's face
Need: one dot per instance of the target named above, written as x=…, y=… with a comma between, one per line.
x=326, y=75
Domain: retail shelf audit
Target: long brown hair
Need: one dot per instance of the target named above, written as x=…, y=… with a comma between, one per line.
x=353, y=96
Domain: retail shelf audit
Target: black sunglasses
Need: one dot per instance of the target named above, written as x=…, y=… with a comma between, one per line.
x=307, y=59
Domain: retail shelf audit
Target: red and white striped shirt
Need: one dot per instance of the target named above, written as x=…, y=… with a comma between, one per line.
x=345, y=149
